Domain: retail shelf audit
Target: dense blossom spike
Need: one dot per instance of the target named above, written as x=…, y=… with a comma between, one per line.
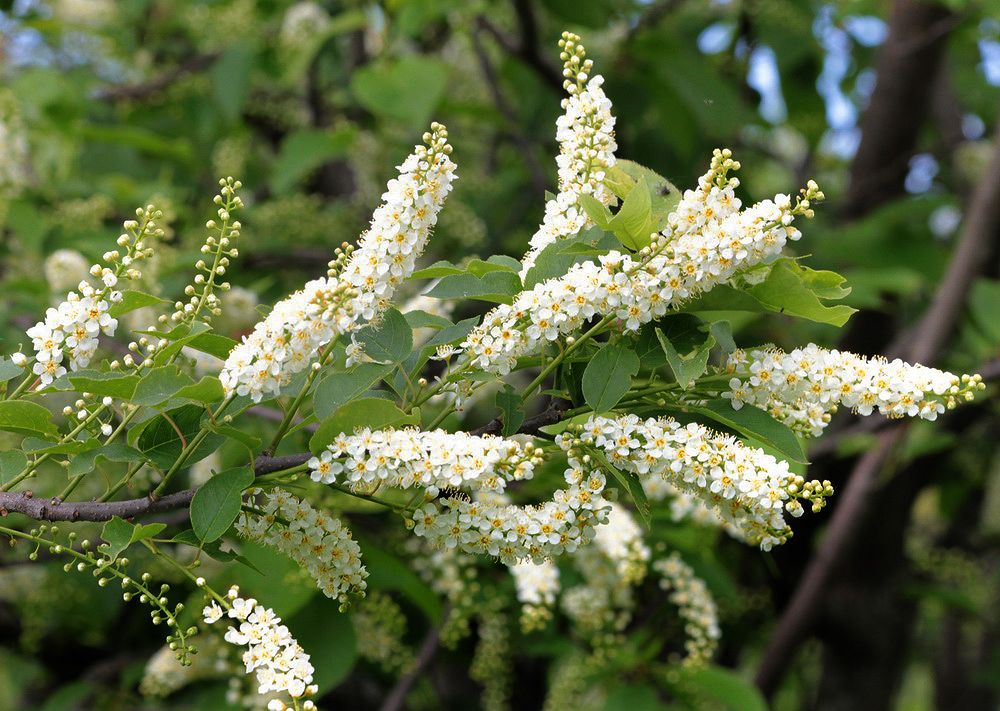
x=707, y=242
x=537, y=585
x=746, y=486
x=433, y=460
x=804, y=387
x=317, y=541
x=360, y=283
x=696, y=607
x=585, y=132
x=277, y=659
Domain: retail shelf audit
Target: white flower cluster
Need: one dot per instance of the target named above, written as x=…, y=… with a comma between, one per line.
x=64, y=269
x=696, y=607
x=746, y=486
x=287, y=341
x=707, y=242
x=279, y=662
x=69, y=334
x=434, y=460
x=684, y=507
x=537, y=585
x=804, y=387
x=612, y=565
x=489, y=525
x=586, y=135
x=317, y=541
x=302, y=22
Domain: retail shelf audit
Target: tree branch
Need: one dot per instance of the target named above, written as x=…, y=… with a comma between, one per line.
x=146, y=89
x=396, y=699
x=24, y=502
x=981, y=226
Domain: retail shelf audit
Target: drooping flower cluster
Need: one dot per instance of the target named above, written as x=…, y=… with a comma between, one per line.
x=278, y=661
x=586, y=136
x=433, y=460
x=696, y=607
x=381, y=624
x=64, y=269
x=302, y=22
x=537, y=585
x=70, y=332
x=317, y=541
x=357, y=290
x=707, y=242
x=612, y=565
x=804, y=387
x=489, y=525
x=746, y=486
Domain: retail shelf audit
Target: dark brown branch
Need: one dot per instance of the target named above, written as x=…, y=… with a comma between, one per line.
x=982, y=224
x=531, y=426
x=23, y=502
x=526, y=49
x=144, y=90
x=396, y=700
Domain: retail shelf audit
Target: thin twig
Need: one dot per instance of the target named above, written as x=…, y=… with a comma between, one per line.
x=396, y=699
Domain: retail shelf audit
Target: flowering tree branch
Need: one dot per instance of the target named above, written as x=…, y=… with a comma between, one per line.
x=982, y=224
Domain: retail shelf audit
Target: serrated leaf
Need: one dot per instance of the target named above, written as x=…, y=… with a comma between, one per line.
x=25, y=417
x=497, y=287
x=609, y=376
x=788, y=289
x=12, y=463
x=132, y=301
x=117, y=535
x=688, y=367
x=388, y=341
x=374, y=413
x=511, y=410
x=116, y=385
x=206, y=390
x=85, y=462
x=159, y=385
x=337, y=389
x=421, y=319
x=453, y=334
x=633, y=223
x=217, y=504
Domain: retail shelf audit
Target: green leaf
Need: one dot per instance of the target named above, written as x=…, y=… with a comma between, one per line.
x=726, y=687
x=609, y=376
x=40, y=446
x=12, y=463
x=596, y=211
x=453, y=334
x=388, y=341
x=217, y=504
x=370, y=412
x=497, y=287
x=85, y=462
x=8, y=370
x=304, y=151
x=663, y=196
x=117, y=534
x=795, y=290
x=206, y=390
x=511, y=409
x=132, y=301
x=634, y=222
x=234, y=433
x=557, y=258
x=161, y=442
x=387, y=572
x=407, y=90
x=329, y=635
x=26, y=418
x=337, y=389
x=212, y=343
x=756, y=425
x=159, y=385
x=230, y=77
x=421, y=319
x=688, y=367
x=116, y=385
x=629, y=482
x=722, y=332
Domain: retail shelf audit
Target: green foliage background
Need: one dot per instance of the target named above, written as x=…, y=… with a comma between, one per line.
x=152, y=100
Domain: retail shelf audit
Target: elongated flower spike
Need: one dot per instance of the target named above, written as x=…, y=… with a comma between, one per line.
x=586, y=136
x=360, y=283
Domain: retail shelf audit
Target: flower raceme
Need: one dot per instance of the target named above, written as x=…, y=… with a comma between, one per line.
x=708, y=241
x=314, y=539
x=696, y=606
x=358, y=288
x=804, y=387
x=585, y=132
x=432, y=460
x=745, y=486
x=273, y=654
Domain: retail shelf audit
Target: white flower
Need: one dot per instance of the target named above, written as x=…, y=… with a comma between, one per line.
x=287, y=341
x=64, y=269
x=707, y=242
x=212, y=613
x=537, y=585
x=804, y=387
x=586, y=136
x=696, y=607
x=302, y=21
x=314, y=539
